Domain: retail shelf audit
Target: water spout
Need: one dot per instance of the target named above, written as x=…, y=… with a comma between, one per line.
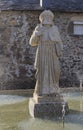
x=81, y=85
x=63, y=115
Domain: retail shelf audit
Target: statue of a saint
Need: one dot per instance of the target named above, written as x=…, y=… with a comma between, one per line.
x=46, y=36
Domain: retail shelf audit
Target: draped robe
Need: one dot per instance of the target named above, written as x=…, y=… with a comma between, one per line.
x=46, y=60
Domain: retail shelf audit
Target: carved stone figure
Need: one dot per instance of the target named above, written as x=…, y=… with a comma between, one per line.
x=46, y=36
x=47, y=101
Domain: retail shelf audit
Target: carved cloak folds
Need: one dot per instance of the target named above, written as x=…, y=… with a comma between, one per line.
x=46, y=61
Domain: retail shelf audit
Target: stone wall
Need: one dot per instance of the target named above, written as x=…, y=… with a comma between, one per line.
x=17, y=57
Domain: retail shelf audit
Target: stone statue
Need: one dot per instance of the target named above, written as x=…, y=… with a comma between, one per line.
x=46, y=36
x=47, y=101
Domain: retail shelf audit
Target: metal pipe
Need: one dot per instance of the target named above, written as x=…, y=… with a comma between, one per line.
x=80, y=85
x=63, y=115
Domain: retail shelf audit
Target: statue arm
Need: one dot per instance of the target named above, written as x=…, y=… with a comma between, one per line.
x=59, y=41
x=35, y=38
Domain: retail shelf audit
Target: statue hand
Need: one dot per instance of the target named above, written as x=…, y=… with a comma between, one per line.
x=39, y=30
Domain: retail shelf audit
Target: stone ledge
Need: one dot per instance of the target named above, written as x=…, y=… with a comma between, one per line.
x=19, y=5
x=63, y=5
x=48, y=98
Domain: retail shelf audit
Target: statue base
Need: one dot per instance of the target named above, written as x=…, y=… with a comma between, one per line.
x=47, y=106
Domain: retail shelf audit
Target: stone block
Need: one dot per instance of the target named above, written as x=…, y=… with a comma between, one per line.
x=46, y=109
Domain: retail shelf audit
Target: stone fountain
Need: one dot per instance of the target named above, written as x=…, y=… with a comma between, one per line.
x=47, y=101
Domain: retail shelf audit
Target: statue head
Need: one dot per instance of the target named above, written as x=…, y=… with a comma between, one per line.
x=46, y=17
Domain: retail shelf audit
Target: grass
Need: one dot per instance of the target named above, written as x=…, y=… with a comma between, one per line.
x=11, y=115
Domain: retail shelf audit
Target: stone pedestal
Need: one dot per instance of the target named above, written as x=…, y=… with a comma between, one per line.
x=47, y=106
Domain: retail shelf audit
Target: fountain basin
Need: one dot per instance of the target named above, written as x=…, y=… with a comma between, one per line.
x=14, y=114
x=10, y=99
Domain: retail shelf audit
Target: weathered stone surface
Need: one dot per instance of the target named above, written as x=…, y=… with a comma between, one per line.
x=14, y=37
x=48, y=98
x=15, y=31
x=19, y=4
x=46, y=110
